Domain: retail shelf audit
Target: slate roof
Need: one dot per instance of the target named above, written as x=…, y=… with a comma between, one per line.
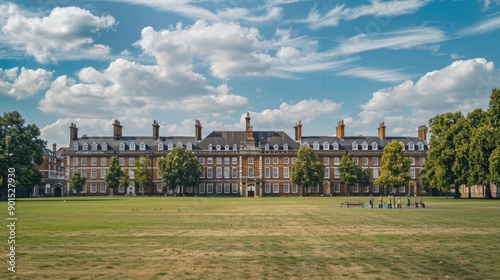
x=261, y=138
x=346, y=143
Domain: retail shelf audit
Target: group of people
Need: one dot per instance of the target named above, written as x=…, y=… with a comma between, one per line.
x=394, y=201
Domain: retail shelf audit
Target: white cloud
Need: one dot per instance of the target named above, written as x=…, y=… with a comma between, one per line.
x=463, y=85
x=487, y=3
x=485, y=26
x=245, y=15
x=66, y=33
x=24, y=83
x=376, y=8
x=384, y=75
x=400, y=39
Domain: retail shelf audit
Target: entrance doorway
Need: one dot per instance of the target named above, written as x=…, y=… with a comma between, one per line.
x=251, y=191
x=57, y=192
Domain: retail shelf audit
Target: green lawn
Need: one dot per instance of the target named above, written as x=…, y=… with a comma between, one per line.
x=263, y=238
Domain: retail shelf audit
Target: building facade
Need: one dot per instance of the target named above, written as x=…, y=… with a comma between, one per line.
x=241, y=163
x=54, y=177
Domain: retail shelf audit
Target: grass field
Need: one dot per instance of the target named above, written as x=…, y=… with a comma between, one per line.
x=240, y=238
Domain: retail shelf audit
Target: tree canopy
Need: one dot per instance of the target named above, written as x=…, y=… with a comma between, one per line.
x=76, y=182
x=179, y=167
x=114, y=174
x=20, y=147
x=307, y=170
x=394, y=170
x=349, y=172
x=143, y=177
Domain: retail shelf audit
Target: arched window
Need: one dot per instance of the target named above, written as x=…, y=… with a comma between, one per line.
x=285, y=147
x=326, y=146
x=189, y=146
x=122, y=146
x=131, y=146
x=335, y=146
x=142, y=146
x=104, y=146
x=218, y=147
x=85, y=146
x=411, y=146
x=276, y=147
x=160, y=146
x=364, y=146
x=354, y=145
x=75, y=146
x=179, y=144
x=226, y=147
x=305, y=144
x=170, y=146
x=374, y=146
x=235, y=147
x=94, y=146
x=315, y=145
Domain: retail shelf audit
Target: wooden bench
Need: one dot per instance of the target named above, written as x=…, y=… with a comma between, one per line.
x=349, y=204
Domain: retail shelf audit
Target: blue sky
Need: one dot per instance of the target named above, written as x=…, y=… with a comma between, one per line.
x=364, y=62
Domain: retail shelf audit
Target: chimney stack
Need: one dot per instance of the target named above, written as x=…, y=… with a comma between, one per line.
x=117, y=130
x=156, y=130
x=249, y=129
x=298, y=131
x=54, y=147
x=197, y=130
x=73, y=132
x=381, y=131
x=422, y=132
x=340, y=129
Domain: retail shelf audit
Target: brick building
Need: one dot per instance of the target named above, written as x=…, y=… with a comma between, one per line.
x=54, y=178
x=241, y=163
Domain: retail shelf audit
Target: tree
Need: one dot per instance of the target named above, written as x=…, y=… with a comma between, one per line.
x=493, y=114
x=484, y=141
x=124, y=181
x=20, y=147
x=114, y=174
x=307, y=170
x=363, y=177
x=495, y=166
x=442, y=156
x=76, y=182
x=179, y=167
x=143, y=176
x=394, y=167
x=349, y=172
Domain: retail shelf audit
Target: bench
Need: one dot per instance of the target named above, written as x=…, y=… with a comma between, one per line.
x=349, y=204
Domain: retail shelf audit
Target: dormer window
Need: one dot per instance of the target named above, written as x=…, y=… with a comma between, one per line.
x=285, y=147
x=218, y=147
x=189, y=146
x=85, y=146
x=266, y=147
x=179, y=144
x=170, y=146
x=122, y=146
x=354, y=145
x=364, y=146
x=315, y=145
x=374, y=146
x=75, y=146
x=226, y=147
x=132, y=146
x=411, y=146
x=209, y=147
x=104, y=146
x=335, y=146
x=326, y=146
x=142, y=146
x=235, y=147
x=305, y=144
x=94, y=146
x=160, y=146
x=420, y=146
x=276, y=147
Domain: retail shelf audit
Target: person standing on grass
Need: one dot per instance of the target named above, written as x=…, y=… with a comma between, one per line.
x=399, y=202
x=416, y=205
x=371, y=201
x=389, y=201
x=407, y=201
x=394, y=199
x=380, y=202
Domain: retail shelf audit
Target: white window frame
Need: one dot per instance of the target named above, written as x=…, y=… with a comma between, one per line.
x=160, y=146
x=276, y=188
x=286, y=172
x=142, y=146
x=131, y=146
x=267, y=187
x=316, y=146
x=364, y=146
x=93, y=188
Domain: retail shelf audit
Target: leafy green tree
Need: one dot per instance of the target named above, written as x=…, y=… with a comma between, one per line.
x=20, y=147
x=143, y=176
x=363, y=177
x=349, y=172
x=124, y=179
x=307, y=170
x=495, y=166
x=114, y=174
x=179, y=167
x=484, y=141
x=442, y=158
x=394, y=170
x=493, y=114
x=76, y=182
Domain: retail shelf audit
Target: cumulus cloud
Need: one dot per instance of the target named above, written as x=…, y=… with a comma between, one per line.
x=24, y=83
x=65, y=33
